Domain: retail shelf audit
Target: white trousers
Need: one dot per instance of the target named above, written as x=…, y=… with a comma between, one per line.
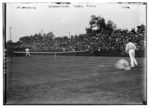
x=132, y=57
x=27, y=53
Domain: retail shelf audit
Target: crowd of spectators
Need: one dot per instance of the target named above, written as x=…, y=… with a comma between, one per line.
x=106, y=38
x=115, y=41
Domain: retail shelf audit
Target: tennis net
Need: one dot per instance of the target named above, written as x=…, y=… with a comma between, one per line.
x=64, y=53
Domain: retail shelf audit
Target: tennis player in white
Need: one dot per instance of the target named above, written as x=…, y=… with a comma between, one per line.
x=27, y=51
x=130, y=49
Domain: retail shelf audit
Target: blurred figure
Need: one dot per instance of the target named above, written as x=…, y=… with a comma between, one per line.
x=122, y=64
x=130, y=49
x=27, y=52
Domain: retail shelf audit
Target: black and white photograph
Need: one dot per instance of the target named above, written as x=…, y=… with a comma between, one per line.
x=74, y=53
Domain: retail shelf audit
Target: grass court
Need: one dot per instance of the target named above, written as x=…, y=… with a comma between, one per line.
x=43, y=79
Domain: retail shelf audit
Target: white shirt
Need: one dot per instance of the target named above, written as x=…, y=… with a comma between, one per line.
x=27, y=49
x=129, y=46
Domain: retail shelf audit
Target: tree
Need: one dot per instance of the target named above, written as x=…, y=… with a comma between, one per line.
x=25, y=39
x=50, y=34
x=101, y=23
x=48, y=41
x=141, y=29
x=110, y=26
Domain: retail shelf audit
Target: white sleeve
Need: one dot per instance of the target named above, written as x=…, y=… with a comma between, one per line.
x=135, y=46
x=126, y=50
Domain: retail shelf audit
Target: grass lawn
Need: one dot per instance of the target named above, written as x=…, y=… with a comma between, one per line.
x=43, y=79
